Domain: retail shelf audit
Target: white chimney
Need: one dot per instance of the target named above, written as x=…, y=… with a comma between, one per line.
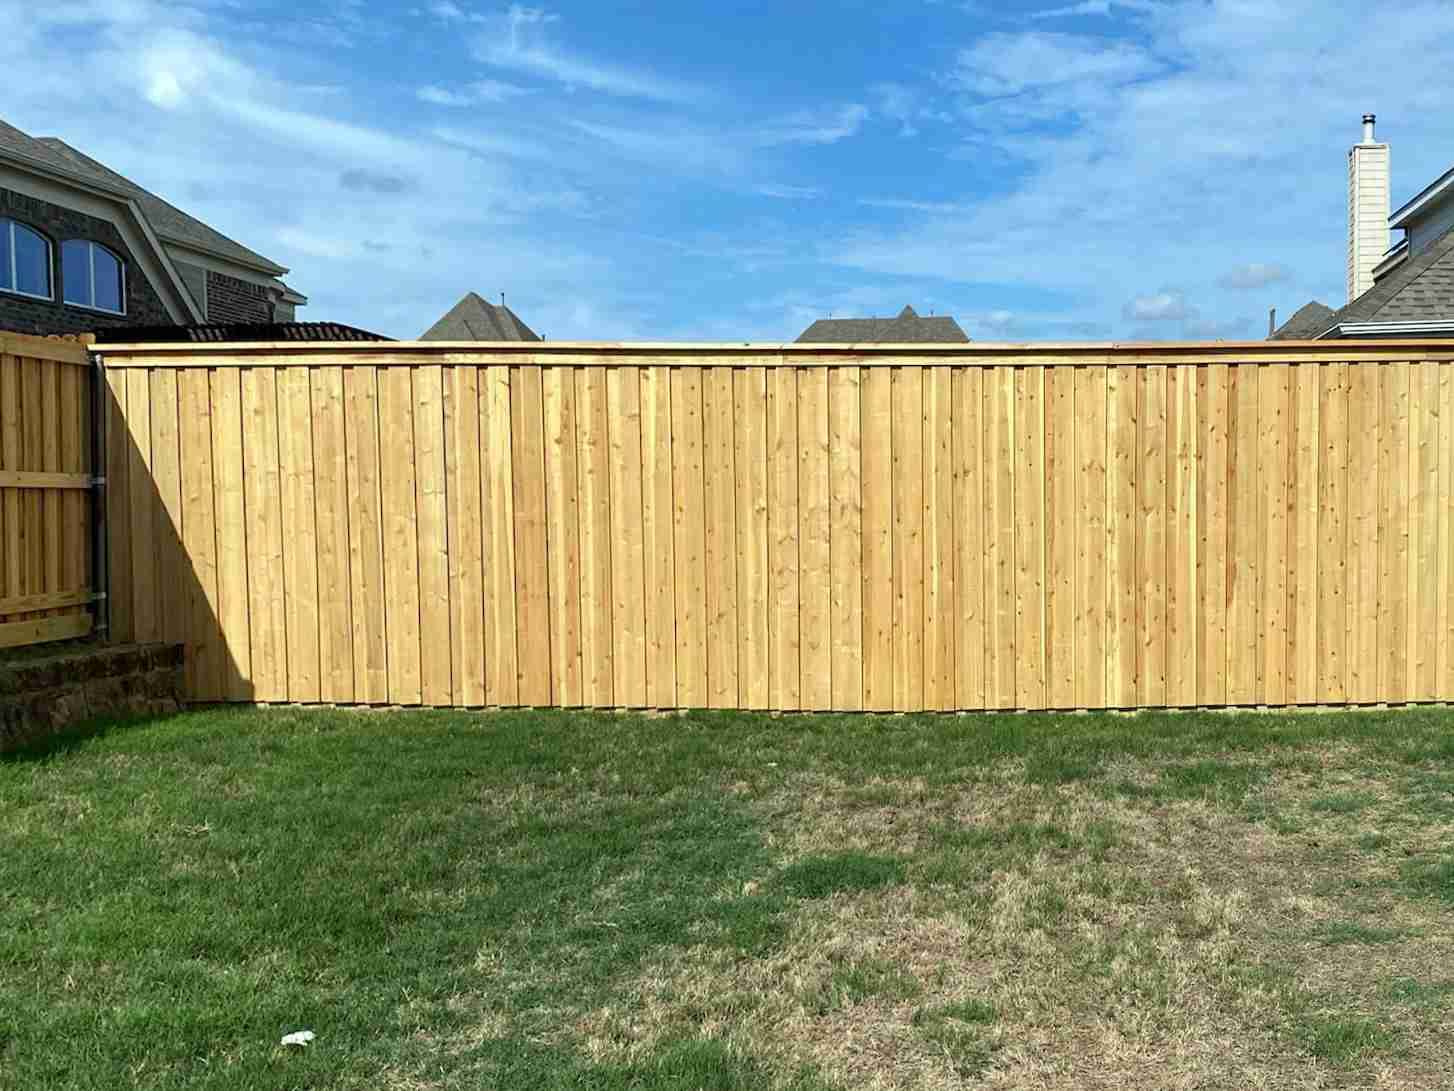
x=1368, y=185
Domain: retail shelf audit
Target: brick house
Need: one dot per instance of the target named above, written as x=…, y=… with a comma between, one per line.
x=83, y=249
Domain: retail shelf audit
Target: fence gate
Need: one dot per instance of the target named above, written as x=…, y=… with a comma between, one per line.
x=46, y=476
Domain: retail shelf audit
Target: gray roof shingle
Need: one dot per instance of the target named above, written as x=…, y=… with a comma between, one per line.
x=907, y=327
x=1306, y=323
x=166, y=219
x=473, y=319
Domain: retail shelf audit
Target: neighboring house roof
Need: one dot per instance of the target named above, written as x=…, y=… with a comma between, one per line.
x=906, y=327
x=236, y=331
x=473, y=319
x=1418, y=290
x=168, y=221
x=1309, y=320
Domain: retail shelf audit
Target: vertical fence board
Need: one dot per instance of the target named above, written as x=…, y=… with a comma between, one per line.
x=1366, y=471
x=969, y=523
x=908, y=570
x=878, y=540
x=1213, y=422
x=939, y=561
x=1181, y=537
x=532, y=613
x=1303, y=538
x=1332, y=502
x=119, y=504
x=845, y=536
x=431, y=502
x=814, y=552
x=1152, y=644
x=1089, y=523
x=266, y=616
x=785, y=610
x=466, y=537
x=399, y=490
x=598, y=672
x=656, y=522
x=330, y=465
x=563, y=535
x=205, y=652
x=753, y=575
x=230, y=523
x=628, y=587
x=1445, y=636
x=502, y=680
x=1244, y=564
x=721, y=538
x=173, y=603
x=300, y=532
x=1393, y=458
x=1000, y=630
x=689, y=521
x=1122, y=395
x=1062, y=478
x=1424, y=504
x=367, y=596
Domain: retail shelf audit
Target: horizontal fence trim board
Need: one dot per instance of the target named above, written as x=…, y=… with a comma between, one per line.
x=16, y=633
x=585, y=354
x=52, y=600
x=36, y=479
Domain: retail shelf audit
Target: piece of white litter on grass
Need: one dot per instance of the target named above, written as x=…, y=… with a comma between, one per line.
x=298, y=1038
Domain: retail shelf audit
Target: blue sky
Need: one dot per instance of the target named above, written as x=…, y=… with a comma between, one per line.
x=684, y=171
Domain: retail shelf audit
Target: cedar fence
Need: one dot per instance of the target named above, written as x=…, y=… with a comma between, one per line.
x=789, y=527
x=45, y=477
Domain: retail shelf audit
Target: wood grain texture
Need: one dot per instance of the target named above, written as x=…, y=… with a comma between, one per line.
x=872, y=529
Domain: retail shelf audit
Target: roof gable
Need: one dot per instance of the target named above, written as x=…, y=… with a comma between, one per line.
x=907, y=327
x=474, y=319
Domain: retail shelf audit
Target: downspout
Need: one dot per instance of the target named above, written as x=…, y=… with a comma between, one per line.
x=100, y=555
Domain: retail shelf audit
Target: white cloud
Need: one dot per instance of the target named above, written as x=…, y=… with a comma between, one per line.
x=787, y=193
x=814, y=126
x=1159, y=307
x=477, y=93
x=905, y=205
x=1254, y=275
x=518, y=41
x=1086, y=7
x=1003, y=64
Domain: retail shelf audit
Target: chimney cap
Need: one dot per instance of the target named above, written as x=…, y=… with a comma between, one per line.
x=1370, y=118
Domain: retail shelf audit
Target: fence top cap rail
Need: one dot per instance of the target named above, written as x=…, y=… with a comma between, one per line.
x=1326, y=350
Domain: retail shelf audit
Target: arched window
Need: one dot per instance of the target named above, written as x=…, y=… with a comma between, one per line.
x=92, y=276
x=24, y=260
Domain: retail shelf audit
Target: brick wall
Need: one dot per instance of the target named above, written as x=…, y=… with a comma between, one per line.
x=233, y=300
x=25, y=315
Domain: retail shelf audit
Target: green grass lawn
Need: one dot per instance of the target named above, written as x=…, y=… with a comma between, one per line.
x=559, y=900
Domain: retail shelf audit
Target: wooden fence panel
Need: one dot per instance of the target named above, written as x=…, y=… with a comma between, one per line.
x=789, y=529
x=45, y=471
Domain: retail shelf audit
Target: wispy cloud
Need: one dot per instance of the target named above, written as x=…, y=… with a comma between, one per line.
x=1004, y=64
x=478, y=93
x=519, y=40
x=901, y=204
x=787, y=193
x=1255, y=275
x=827, y=126
x=1087, y=7
x=1165, y=306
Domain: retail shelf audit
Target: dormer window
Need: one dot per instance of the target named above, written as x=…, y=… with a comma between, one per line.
x=24, y=261
x=92, y=276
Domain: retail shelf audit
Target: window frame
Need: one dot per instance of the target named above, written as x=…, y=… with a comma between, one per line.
x=50, y=268
x=91, y=247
